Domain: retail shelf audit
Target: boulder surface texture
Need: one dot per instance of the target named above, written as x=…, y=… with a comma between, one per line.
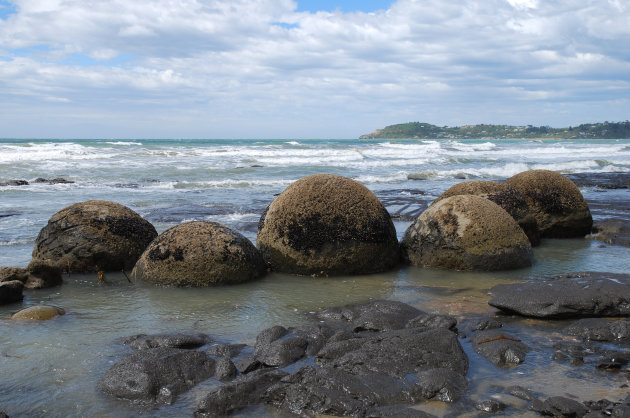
x=570, y=296
x=556, y=202
x=504, y=195
x=195, y=254
x=328, y=225
x=466, y=232
x=93, y=236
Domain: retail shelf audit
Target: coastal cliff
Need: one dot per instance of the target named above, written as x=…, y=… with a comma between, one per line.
x=419, y=130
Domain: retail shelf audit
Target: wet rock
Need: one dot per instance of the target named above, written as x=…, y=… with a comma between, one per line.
x=272, y=349
x=225, y=369
x=612, y=232
x=601, y=180
x=574, y=295
x=57, y=180
x=598, y=329
x=15, y=183
x=42, y=275
x=39, y=313
x=500, y=349
x=3, y=414
x=247, y=365
x=9, y=274
x=442, y=384
x=197, y=254
x=427, y=321
x=504, y=195
x=490, y=406
x=174, y=340
x=144, y=374
x=560, y=406
x=521, y=393
x=225, y=350
x=11, y=291
x=328, y=225
x=488, y=323
x=556, y=202
x=244, y=391
x=93, y=236
x=466, y=232
x=37, y=275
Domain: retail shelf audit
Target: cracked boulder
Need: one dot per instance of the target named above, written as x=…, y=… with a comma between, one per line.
x=504, y=195
x=197, y=254
x=92, y=236
x=466, y=232
x=328, y=225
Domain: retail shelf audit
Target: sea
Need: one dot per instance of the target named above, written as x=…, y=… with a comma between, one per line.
x=52, y=368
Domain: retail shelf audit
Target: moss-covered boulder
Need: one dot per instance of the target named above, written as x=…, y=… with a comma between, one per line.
x=504, y=195
x=328, y=225
x=196, y=254
x=556, y=202
x=466, y=232
x=92, y=236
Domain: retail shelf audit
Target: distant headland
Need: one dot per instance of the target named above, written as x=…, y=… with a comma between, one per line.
x=419, y=130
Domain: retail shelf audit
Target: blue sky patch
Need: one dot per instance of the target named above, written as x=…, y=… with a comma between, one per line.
x=286, y=25
x=343, y=5
x=81, y=60
x=6, y=9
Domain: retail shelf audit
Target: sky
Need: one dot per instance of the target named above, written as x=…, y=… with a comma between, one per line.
x=306, y=69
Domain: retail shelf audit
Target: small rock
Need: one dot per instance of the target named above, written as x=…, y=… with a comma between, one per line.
x=11, y=291
x=39, y=313
x=225, y=369
x=247, y=365
x=442, y=385
x=521, y=393
x=490, y=406
x=489, y=323
x=499, y=348
x=244, y=391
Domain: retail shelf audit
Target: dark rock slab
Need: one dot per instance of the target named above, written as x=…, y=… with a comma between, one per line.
x=560, y=406
x=156, y=374
x=378, y=315
x=14, y=183
x=11, y=292
x=601, y=180
x=574, y=295
x=442, y=384
x=499, y=348
x=244, y=391
x=612, y=232
x=599, y=329
x=173, y=340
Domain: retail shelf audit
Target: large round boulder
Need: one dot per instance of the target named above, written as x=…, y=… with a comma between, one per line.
x=556, y=202
x=328, y=225
x=196, y=254
x=504, y=195
x=466, y=232
x=93, y=236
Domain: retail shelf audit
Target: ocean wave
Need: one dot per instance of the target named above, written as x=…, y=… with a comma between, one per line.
x=123, y=143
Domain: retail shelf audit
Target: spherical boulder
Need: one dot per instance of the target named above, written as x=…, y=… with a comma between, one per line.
x=466, y=232
x=328, y=225
x=196, y=254
x=556, y=202
x=39, y=313
x=504, y=195
x=93, y=236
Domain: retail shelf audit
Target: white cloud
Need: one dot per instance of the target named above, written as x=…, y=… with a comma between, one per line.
x=456, y=62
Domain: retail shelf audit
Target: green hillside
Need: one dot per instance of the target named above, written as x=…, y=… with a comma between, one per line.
x=419, y=130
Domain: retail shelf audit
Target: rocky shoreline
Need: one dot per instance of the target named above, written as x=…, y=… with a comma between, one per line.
x=386, y=358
